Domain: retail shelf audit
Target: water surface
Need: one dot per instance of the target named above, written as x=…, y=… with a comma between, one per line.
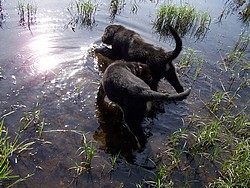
x=51, y=68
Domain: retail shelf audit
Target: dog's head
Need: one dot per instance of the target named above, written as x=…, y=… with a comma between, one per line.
x=171, y=76
x=110, y=32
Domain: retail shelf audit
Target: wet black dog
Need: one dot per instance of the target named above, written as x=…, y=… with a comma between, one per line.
x=128, y=45
x=127, y=84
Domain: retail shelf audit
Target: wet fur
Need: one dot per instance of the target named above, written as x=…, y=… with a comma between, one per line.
x=127, y=84
x=128, y=45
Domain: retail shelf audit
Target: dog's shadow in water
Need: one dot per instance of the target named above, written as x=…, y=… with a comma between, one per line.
x=113, y=135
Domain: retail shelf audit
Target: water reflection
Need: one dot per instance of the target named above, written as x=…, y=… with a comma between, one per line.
x=114, y=137
x=43, y=59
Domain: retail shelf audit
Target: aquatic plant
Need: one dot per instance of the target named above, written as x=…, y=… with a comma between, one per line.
x=78, y=90
x=115, y=8
x=236, y=60
x=9, y=147
x=191, y=64
x=113, y=160
x=238, y=7
x=82, y=14
x=185, y=19
x=87, y=153
x=27, y=13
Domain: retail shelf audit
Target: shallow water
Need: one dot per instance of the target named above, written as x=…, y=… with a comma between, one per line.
x=43, y=68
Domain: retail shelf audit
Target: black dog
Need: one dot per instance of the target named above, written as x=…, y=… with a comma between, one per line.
x=128, y=45
x=126, y=84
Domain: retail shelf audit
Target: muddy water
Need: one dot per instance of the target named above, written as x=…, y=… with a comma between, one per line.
x=51, y=68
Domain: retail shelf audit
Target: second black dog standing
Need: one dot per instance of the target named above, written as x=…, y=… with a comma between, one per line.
x=128, y=45
x=127, y=84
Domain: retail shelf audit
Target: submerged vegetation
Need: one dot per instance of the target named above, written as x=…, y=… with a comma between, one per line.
x=185, y=19
x=82, y=14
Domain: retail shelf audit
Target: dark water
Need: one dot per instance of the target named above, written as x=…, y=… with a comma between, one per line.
x=43, y=69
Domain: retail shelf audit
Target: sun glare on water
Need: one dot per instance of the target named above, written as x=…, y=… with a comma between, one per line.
x=46, y=63
x=45, y=57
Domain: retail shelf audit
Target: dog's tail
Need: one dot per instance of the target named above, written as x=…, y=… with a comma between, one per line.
x=173, y=54
x=154, y=95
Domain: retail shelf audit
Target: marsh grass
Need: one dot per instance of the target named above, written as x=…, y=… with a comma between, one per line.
x=86, y=151
x=213, y=148
x=191, y=64
x=184, y=18
x=27, y=13
x=236, y=61
x=33, y=119
x=236, y=171
x=82, y=14
x=8, y=148
x=239, y=7
x=113, y=159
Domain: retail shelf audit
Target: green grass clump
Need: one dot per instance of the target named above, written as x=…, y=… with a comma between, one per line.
x=113, y=159
x=9, y=147
x=87, y=150
x=82, y=14
x=33, y=118
x=184, y=19
x=236, y=170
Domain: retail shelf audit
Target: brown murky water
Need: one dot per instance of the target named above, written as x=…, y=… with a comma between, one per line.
x=53, y=69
